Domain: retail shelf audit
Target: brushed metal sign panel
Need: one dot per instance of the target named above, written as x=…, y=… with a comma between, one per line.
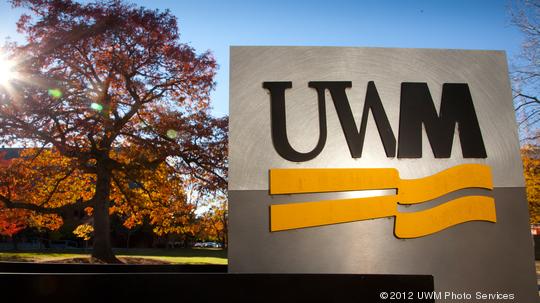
x=251, y=150
x=474, y=256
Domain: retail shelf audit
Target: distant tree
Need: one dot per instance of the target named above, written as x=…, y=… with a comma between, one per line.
x=526, y=68
x=113, y=106
x=530, y=155
x=214, y=222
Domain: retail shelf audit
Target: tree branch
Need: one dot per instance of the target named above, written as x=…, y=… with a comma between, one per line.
x=55, y=188
x=78, y=205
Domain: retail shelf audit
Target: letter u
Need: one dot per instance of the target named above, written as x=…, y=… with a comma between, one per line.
x=279, y=124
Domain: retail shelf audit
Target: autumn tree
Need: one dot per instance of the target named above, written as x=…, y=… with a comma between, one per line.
x=214, y=222
x=530, y=155
x=109, y=91
x=525, y=15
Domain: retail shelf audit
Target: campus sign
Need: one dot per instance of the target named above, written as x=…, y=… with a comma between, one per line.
x=416, y=109
x=372, y=160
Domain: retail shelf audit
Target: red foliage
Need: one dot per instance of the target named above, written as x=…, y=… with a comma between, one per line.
x=12, y=221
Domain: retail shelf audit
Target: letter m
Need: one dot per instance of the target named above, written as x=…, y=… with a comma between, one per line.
x=417, y=109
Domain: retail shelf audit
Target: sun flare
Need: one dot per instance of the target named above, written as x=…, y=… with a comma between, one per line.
x=7, y=70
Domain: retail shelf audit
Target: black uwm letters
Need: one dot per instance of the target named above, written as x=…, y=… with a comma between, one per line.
x=416, y=109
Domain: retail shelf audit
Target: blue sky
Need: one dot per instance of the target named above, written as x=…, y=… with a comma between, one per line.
x=216, y=25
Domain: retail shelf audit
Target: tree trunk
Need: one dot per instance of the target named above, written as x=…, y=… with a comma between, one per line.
x=102, y=233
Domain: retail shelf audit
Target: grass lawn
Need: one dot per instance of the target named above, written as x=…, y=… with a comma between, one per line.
x=163, y=256
x=178, y=255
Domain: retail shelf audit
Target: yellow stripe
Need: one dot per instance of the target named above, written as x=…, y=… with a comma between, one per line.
x=308, y=214
x=410, y=191
x=408, y=225
x=455, y=178
x=298, y=181
x=471, y=208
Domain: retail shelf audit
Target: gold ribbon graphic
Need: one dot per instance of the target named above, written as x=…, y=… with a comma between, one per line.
x=407, y=224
